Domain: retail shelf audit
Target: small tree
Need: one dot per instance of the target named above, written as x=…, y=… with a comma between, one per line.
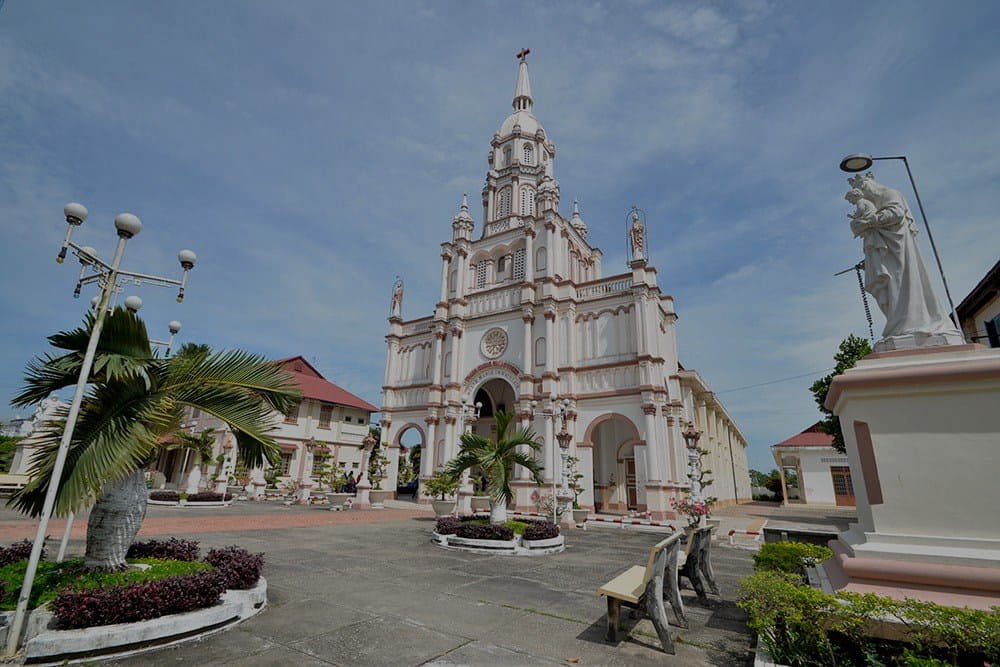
x=441, y=486
x=573, y=477
x=851, y=350
x=378, y=464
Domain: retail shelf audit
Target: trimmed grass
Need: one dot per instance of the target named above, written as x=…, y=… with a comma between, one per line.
x=53, y=577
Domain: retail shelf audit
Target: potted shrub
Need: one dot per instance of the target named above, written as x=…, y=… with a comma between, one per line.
x=441, y=488
x=378, y=464
x=573, y=483
x=183, y=499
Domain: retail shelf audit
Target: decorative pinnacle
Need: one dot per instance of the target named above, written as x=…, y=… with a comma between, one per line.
x=465, y=202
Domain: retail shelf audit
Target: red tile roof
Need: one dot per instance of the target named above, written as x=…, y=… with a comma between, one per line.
x=314, y=385
x=811, y=437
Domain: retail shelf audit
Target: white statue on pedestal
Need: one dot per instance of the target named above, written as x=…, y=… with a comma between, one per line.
x=637, y=236
x=894, y=268
x=396, y=307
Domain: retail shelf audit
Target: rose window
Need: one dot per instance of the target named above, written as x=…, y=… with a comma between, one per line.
x=494, y=343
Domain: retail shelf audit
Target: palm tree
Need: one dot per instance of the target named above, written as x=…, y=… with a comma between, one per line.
x=496, y=459
x=134, y=399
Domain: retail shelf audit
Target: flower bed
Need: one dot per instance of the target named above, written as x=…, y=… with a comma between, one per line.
x=201, y=499
x=172, y=549
x=518, y=537
x=165, y=496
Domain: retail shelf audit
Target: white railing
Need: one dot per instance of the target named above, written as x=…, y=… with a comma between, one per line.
x=494, y=301
x=603, y=289
x=503, y=225
x=604, y=379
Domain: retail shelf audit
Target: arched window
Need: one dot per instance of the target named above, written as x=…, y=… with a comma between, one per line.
x=540, y=259
x=501, y=264
x=529, y=151
x=540, y=351
x=453, y=280
x=503, y=207
x=527, y=200
x=447, y=364
x=506, y=157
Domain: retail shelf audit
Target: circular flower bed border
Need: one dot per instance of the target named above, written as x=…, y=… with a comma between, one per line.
x=458, y=534
x=173, y=499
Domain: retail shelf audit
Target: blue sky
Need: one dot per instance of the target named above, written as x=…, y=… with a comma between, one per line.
x=311, y=151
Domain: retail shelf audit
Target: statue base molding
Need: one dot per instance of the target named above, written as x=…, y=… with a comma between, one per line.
x=918, y=340
x=922, y=431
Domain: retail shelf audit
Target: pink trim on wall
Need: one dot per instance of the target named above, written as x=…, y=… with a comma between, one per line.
x=869, y=468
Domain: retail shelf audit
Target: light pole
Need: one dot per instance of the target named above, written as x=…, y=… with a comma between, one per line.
x=859, y=162
x=175, y=328
x=560, y=408
x=691, y=438
x=110, y=279
x=467, y=414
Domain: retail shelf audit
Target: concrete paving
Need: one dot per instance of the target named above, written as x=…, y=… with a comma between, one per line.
x=376, y=591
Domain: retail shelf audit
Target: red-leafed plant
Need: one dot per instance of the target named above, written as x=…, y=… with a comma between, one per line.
x=240, y=568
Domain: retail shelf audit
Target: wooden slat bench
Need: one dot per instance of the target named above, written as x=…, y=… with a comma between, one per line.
x=643, y=588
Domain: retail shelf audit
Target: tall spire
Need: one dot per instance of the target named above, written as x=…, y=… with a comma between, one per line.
x=522, y=92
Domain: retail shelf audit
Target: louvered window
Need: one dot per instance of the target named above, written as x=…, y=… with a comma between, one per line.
x=481, y=268
x=527, y=201
x=518, y=264
x=528, y=154
x=503, y=209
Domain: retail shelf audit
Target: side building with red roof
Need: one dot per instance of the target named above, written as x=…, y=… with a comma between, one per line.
x=328, y=425
x=812, y=471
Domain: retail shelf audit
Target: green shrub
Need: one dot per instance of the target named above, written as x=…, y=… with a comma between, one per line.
x=789, y=557
x=800, y=625
x=784, y=614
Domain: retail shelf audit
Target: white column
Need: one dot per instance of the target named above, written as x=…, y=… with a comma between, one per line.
x=652, y=455
x=550, y=343
x=456, y=353
x=437, y=360
x=463, y=271
x=529, y=344
x=529, y=255
x=445, y=271
x=429, y=455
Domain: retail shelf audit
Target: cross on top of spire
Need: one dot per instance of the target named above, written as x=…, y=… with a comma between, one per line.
x=523, y=53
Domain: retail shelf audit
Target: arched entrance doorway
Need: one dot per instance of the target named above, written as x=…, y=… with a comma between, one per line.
x=411, y=444
x=494, y=396
x=616, y=485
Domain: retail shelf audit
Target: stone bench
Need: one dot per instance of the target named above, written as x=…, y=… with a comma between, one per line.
x=10, y=482
x=695, y=562
x=642, y=588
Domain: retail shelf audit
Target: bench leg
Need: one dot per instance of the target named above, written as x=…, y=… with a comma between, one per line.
x=706, y=570
x=657, y=614
x=696, y=578
x=614, y=619
x=674, y=597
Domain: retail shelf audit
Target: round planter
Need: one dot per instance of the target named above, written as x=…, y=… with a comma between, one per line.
x=480, y=503
x=337, y=500
x=556, y=541
x=443, y=507
x=378, y=498
x=579, y=516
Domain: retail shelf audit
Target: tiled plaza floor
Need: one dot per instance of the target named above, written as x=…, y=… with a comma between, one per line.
x=369, y=588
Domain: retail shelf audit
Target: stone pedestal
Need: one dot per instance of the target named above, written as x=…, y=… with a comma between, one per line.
x=922, y=429
x=362, y=501
x=193, y=480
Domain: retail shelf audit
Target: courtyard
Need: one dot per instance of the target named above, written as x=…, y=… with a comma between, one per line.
x=369, y=588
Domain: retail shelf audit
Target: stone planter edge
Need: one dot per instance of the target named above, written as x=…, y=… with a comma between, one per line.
x=103, y=640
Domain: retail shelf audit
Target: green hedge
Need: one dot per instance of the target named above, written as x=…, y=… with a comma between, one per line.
x=801, y=625
x=789, y=557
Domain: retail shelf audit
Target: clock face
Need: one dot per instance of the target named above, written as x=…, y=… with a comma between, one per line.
x=494, y=343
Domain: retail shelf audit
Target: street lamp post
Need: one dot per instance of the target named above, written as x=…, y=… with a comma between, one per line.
x=556, y=408
x=859, y=162
x=175, y=328
x=691, y=438
x=110, y=279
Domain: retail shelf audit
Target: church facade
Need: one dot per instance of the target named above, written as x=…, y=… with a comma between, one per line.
x=528, y=323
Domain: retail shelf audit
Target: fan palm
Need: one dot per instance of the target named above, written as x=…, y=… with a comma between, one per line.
x=134, y=399
x=496, y=459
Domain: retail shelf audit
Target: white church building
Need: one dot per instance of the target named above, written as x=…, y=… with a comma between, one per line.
x=528, y=323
